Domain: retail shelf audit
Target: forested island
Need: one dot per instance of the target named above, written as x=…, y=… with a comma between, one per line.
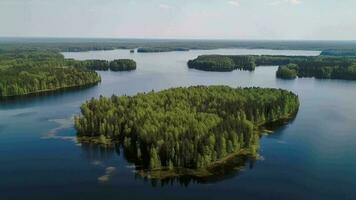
x=184, y=131
x=28, y=72
x=322, y=67
x=122, y=65
x=222, y=63
x=103, y=65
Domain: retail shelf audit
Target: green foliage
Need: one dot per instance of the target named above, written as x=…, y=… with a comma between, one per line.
x=122, y=65
x=100, y=65
x=213, y=63
x=287, y=71
x=185, y=127
x=26, y=72
x=321, y=67
x=90, y=44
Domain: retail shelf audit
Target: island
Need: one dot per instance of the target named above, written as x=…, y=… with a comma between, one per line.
x=222, y=63
x=321, y=67
x=104, y=65
x=122, y=65
x=31, y=72
x=184, y=131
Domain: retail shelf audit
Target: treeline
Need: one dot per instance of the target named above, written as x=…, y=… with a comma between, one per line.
x=185, y=127
x=26, y=72
x=222, y=63
x=339, y=52
x=76, y=44
x=322, y=67
x=103, y=65
x=160, y=49
x=287, y=71
x=122, y=65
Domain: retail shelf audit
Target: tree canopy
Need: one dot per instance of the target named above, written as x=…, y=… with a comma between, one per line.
x=185, y=127
x=122, y=65
x=287, y=71
x=325, y=67
x=27, y=72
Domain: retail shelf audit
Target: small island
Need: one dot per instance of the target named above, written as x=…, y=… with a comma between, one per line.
x=184, y=131
x=321, y=67
x=122, y=65
x=103, y=65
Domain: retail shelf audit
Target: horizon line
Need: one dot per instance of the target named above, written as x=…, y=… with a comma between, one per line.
x=177, y=39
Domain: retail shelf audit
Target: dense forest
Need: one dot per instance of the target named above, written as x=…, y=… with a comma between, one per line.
x=103, y=65
x=26, y=72
x=185, y=127
x=122, y=65
x=222, y=63
x=90, y=44
x=323, y=67
x=287, y=71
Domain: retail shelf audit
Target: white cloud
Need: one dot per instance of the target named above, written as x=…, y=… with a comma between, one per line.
x=295, y=2
x=164, y=6
x=235, y=3
x=279, y=2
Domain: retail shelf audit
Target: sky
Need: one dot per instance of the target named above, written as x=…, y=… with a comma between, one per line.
x=181, y=19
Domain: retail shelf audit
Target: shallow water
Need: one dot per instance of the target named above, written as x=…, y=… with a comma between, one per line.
x=311, y=158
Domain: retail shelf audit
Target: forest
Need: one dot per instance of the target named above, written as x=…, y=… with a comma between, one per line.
x=103, y=65
x=321, y=67
x=222, y=63
x=190, y=128
x=122, y=65
x=287, y=71
x=160, y=49
x=91, y=44
x=27, y=72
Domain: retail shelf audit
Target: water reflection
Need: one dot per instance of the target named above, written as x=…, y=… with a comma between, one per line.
x=100, y=154
x=40, y=98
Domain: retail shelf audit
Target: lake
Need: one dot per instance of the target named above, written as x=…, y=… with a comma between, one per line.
x=313, y=157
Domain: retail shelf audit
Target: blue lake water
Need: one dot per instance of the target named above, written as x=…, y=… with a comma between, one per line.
x=314, y=157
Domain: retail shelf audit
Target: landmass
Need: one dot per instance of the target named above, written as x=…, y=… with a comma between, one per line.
x=25, y=72
x=321, y=67
x=91, y=44
x=29, y=72
x=184, y=131
x=114, y=65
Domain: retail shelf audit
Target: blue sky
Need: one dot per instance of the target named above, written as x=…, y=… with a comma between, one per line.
x=205, y=19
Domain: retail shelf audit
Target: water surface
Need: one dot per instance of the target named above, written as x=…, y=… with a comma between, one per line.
x=311, y=158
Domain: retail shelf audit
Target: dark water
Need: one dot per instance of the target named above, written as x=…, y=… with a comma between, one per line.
x=314, y=157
